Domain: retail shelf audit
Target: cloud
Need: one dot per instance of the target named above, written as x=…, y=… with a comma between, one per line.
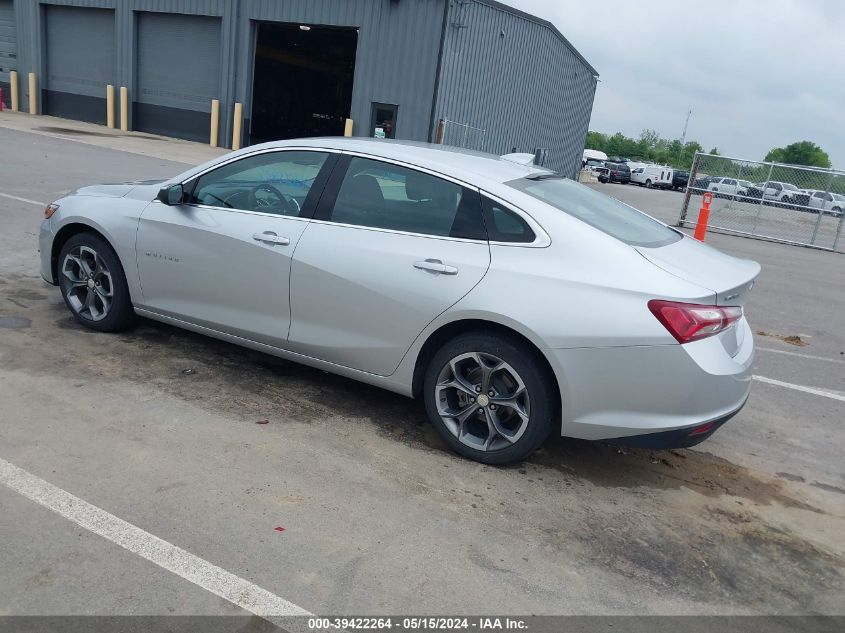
x=757, y=74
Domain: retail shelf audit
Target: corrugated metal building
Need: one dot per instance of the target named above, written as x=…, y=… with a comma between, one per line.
x=502, y=80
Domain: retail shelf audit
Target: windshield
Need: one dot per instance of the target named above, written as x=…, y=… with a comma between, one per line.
x=786, y=185
x=598, y=210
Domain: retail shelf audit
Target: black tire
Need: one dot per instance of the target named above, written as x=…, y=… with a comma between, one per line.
x=543, y=400
x=119, y=315
x=648, y=184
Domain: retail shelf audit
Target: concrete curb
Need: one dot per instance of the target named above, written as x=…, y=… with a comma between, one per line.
x=141, y=143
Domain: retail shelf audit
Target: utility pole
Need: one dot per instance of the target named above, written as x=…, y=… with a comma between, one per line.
x=686, y=125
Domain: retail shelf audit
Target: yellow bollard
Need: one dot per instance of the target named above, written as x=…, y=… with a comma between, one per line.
x=33, y=96
x=236, y=128
x=13, y=81
x=215, y=121
x=347, y=128
x=110, y=106
x=124, y=109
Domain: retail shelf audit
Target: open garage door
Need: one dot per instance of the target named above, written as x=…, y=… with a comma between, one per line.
x=178, y=74
x=302, y=81
x=80, y=62
x=8, y=46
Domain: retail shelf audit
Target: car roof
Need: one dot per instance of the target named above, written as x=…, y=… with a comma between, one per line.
x=460, y=163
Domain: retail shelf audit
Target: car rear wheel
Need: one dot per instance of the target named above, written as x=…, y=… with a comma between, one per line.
x=93, y=284
x=489, y=398
x=648, y=184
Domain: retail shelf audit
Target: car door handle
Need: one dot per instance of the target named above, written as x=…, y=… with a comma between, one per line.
x=269, y=237
x=436, y=266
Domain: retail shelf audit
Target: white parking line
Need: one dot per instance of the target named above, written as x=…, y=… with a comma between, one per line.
x=812, y=390
x=809, y=356
x=218, y=581
x=19, y=199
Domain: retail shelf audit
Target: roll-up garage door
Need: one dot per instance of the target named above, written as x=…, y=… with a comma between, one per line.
x=8, y=46
x=178, y=74
x=80, y=62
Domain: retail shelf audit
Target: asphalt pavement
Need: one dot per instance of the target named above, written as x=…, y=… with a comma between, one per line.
x=208, y=449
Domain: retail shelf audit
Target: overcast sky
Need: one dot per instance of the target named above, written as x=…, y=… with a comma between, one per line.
x=757, y=74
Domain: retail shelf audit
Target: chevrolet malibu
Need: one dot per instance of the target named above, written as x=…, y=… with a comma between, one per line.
x=512, y=301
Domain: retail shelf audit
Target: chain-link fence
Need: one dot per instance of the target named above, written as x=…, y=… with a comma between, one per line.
x=461, y=135
x=787, y=203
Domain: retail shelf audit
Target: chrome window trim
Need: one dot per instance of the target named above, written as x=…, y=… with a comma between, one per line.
x=541, y=238
x=363, y=227
x=245, y=211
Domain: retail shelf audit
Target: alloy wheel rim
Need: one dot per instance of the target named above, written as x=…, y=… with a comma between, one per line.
x=483, y=401
x=87, y=283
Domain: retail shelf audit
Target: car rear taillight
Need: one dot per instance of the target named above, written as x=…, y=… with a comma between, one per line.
x=689, y=322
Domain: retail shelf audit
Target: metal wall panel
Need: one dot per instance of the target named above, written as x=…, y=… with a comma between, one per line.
x=178, y=73
x=518, y=79
x=76, y=76
x=8, y=46
x=528, y=88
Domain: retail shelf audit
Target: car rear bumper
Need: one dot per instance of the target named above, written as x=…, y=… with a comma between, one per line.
x=616, y=393
x=677, y=438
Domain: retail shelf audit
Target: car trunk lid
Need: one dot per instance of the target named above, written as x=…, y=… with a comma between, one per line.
x=729, y=278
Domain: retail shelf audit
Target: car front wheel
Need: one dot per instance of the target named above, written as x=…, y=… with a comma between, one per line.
x=93, y=284
x=489, y=398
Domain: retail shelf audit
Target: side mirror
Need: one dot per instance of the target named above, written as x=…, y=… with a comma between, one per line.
x=171, y=195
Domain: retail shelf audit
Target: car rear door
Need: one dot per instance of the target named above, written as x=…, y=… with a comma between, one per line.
x=222, y=258
x=391, y=247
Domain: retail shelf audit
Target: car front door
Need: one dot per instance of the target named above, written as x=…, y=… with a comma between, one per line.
x=221, y=259
x=390, y=248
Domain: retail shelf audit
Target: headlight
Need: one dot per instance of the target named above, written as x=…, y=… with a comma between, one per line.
x=50, y=210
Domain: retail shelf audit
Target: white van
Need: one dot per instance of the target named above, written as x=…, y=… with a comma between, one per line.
x=593, y=154
x=653, y=176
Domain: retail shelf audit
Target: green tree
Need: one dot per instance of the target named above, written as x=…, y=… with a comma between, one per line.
x=800, y=153
x=648, y=147
x=714, y=151
x=596, y=140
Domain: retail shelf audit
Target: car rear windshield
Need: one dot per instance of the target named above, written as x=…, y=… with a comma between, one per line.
x=598, y=210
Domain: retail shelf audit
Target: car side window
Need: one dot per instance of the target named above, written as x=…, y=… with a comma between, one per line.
x=503, y=225
x=272, y=182
x=387, y=196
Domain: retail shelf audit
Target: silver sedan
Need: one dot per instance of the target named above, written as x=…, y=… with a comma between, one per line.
x=512, y=301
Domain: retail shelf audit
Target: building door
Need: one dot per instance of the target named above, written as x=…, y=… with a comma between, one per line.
x=8, y=47
x=302, y=81
x=178, y=74
x=80, y=62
